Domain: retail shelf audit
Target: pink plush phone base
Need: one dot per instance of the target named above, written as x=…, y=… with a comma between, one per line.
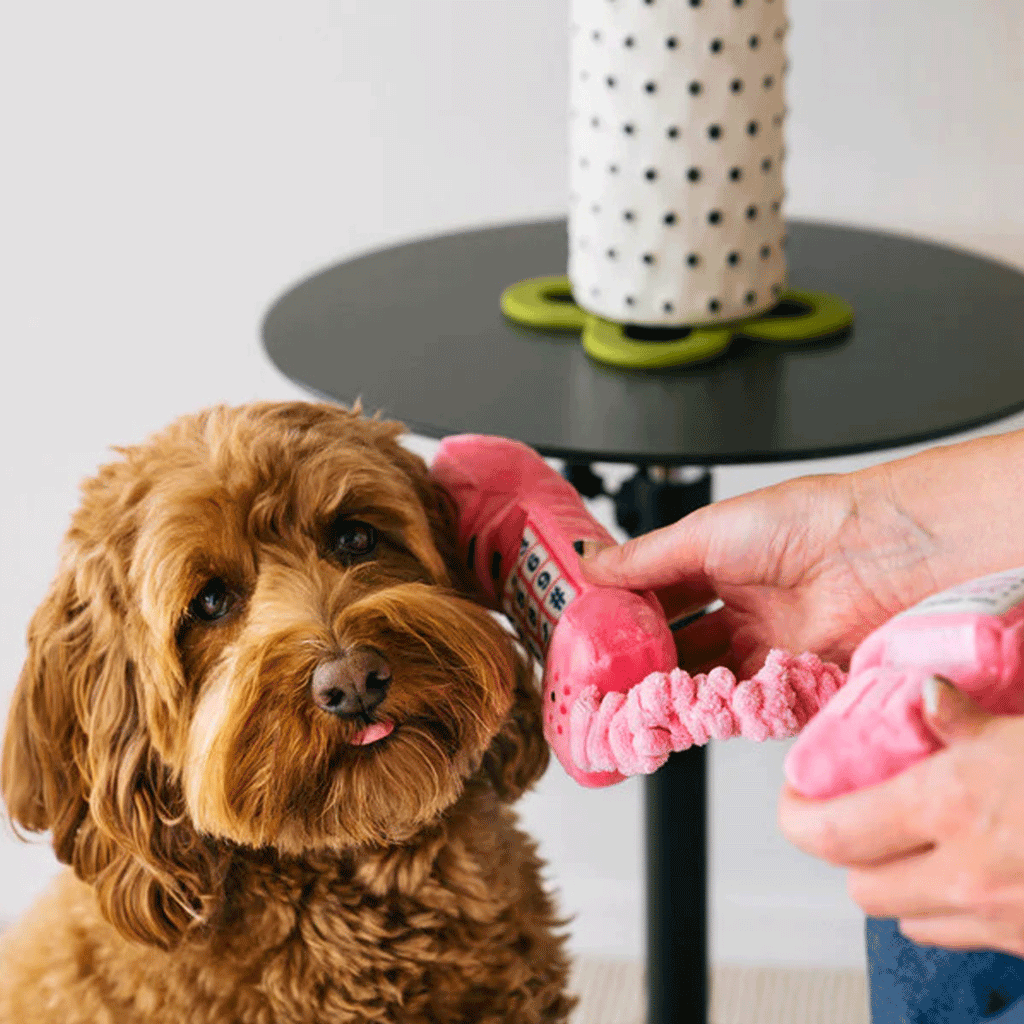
x=875, y=728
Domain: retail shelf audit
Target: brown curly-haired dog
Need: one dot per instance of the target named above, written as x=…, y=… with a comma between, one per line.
x=277, y=741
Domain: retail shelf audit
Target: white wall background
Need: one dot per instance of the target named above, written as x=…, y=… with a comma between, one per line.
x=166, y=170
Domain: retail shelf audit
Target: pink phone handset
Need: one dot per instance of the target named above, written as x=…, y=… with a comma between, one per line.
x=615, y=704
x=972, y=634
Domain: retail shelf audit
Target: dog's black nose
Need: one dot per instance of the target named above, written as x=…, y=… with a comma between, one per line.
x=352, y=684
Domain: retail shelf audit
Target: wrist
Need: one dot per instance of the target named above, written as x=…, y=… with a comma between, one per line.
x=950, y=514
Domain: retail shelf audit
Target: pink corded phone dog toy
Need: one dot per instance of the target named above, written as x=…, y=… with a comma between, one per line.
x=616, y=704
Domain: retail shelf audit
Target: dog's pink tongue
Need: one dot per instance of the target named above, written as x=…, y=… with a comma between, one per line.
x=372, y=733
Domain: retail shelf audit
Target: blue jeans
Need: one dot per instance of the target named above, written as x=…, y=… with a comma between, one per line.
x=913, y=984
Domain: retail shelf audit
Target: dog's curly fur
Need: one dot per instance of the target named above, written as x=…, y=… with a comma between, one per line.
x=236, y=856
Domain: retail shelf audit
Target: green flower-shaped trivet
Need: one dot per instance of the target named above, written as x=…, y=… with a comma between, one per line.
x=799, y=318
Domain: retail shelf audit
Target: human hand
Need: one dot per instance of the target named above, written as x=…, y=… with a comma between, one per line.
x=940, y=847
x=812, y=564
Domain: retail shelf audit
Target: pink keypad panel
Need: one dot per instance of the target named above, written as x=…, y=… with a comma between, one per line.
x=537, y=591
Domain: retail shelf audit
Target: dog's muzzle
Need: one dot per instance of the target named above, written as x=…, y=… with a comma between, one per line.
x=352, y=684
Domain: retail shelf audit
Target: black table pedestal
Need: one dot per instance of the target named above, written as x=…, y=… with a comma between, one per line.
x=675, y=803
x=675, y=799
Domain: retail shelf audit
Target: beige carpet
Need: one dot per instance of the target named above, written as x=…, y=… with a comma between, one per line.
x=612, y=992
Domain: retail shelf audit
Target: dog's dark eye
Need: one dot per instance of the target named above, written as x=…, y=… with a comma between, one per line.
x=353, y=538
x=214, y=601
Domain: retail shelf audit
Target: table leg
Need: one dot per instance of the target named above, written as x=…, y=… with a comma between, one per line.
x=675, y=799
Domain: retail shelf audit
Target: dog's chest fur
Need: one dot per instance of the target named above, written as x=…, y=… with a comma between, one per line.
x=453, y=929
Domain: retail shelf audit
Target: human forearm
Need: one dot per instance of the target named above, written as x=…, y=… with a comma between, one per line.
x=952, y=512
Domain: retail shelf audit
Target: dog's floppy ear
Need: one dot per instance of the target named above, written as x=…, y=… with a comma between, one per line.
x=441, y=515
x=77, y=759
x=518, y=755
x=41, y=776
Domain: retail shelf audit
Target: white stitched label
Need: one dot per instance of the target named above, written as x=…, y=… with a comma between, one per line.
x=988, y=595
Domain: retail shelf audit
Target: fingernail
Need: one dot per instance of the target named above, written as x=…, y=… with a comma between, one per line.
x=586, y=549
x=931, y=691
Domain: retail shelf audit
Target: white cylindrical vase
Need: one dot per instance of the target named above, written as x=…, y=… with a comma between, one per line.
x=676, y=150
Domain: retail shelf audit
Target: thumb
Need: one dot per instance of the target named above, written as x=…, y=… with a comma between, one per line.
x=950, y=713
x=673, y=554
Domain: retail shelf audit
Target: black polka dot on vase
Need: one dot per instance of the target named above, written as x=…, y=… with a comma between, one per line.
x=595, y=292
x=766, y=164
x=628, y=41
x=753, y=42
x=735, y=174
x=715, y=217
x=613, y=168
x=650, y=87
x=693, y=174
x=737, y=3
x=628, y=215
x=672, y=42
x=628, y=129
x=714, y=305
x=611, y=254
x=695, y=3
x=715, y=131
x=776, y=206
x=693, y=259
x=752, y=128
x=648, y=258
x=650, y=174
x=751, y=298
x=669, y=218
x=596, y=122
x=766, y=251
x=776, y=291
x=733, y=259
x=673, y=132
x=596, y=35
x=777, y=120
x=716, y=45
x=584, y=75
x=695, y=88
x=751, y=213
x=610, y=81
x=768, y=81
x=668, y=307
x=629, y=300
x=736, y=85
x=584, y=162
x=595, y=208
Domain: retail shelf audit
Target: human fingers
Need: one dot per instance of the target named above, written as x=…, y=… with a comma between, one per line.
x=965, y=931
x=866, y=827
x=670, y=556
x=917, y=885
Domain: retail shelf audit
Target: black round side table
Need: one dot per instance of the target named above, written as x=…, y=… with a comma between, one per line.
x=415, y=330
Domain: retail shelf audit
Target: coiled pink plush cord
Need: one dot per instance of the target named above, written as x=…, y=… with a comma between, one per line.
x=633, y=733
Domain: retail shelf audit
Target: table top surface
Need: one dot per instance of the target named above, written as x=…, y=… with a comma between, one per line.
x=416, y=332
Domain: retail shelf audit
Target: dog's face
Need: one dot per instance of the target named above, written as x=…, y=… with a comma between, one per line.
x=260, y=635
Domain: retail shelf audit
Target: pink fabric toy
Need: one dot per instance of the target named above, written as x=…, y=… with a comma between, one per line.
x=615, y=703
x=971, y=634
